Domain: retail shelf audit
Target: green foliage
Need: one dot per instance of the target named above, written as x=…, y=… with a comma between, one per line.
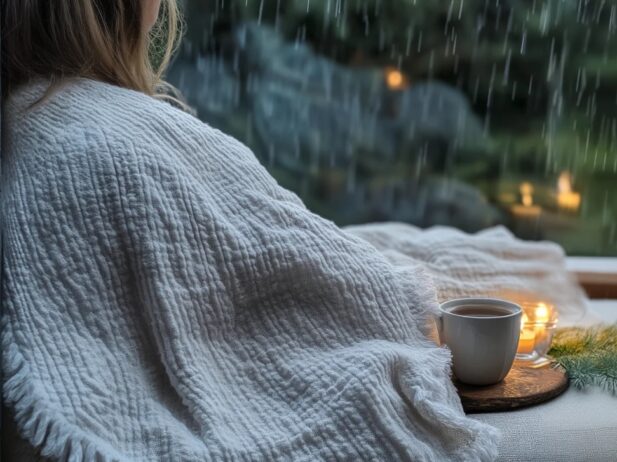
x=588, y=355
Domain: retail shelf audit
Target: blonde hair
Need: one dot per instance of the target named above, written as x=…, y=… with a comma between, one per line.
x=100, y=39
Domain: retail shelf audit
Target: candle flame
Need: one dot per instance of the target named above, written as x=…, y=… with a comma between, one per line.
x=564, y=183
x=542, y=313
x=567, y=198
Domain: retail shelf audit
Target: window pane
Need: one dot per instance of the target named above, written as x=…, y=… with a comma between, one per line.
x=466, y=113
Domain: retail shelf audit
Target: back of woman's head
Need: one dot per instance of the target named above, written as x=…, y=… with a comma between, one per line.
x=108, y=40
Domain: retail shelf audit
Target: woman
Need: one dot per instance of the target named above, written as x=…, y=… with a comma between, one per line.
x=165, y=299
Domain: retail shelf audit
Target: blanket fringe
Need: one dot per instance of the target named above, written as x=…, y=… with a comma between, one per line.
x=483, y=445
x=49, y=437
x=60, y=440
x=484, y=439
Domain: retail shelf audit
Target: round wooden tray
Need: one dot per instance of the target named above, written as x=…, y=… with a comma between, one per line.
x=523, y=386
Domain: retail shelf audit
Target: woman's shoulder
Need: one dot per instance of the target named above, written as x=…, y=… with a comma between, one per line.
x=85, y=120
x=84, y=114
x=83, y=105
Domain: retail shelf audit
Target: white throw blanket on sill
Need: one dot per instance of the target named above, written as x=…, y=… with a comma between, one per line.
x=165, y=299
x=491, y=263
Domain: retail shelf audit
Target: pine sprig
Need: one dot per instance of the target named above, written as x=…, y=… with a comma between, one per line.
x=589, y=356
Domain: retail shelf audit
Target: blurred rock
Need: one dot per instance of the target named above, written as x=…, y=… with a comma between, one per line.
x=304, y=104
x=438, y=111
x=208, y=84
x=309, y=111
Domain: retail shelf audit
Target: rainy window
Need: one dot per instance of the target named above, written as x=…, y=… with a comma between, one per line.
x=464, y=113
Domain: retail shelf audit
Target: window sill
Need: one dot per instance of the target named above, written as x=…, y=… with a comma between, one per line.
x=598, y=276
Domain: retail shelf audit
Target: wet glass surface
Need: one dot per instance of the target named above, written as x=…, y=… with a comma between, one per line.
x=466, y=113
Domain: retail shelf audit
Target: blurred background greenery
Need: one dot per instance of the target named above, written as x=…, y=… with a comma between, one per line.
x=466, y=113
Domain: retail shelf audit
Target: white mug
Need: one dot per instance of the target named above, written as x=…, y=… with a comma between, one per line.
x=483, y=335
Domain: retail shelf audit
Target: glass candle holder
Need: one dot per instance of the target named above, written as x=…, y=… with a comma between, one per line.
x=537, y=327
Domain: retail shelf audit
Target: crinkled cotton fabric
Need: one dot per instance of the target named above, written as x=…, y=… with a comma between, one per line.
x=165, y=299
x=491, y=263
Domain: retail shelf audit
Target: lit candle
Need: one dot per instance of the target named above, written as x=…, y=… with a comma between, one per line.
x=567, y=199
x=523, y=211
x=541, y=317
x=527, y=339
x=527, y=209
x=527, y=342
x=537, y=325
x=526, y=194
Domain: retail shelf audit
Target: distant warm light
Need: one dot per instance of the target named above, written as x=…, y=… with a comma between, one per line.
x=395, y=79
x=526, y=209
x=526, y=188
x=527, y=194
x=567, y=199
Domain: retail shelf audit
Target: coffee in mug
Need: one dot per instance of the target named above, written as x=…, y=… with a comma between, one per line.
x=482, y=334
x=479, y=311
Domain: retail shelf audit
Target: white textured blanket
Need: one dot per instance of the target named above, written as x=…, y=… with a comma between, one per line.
x=165, y=299
x=491, y=263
